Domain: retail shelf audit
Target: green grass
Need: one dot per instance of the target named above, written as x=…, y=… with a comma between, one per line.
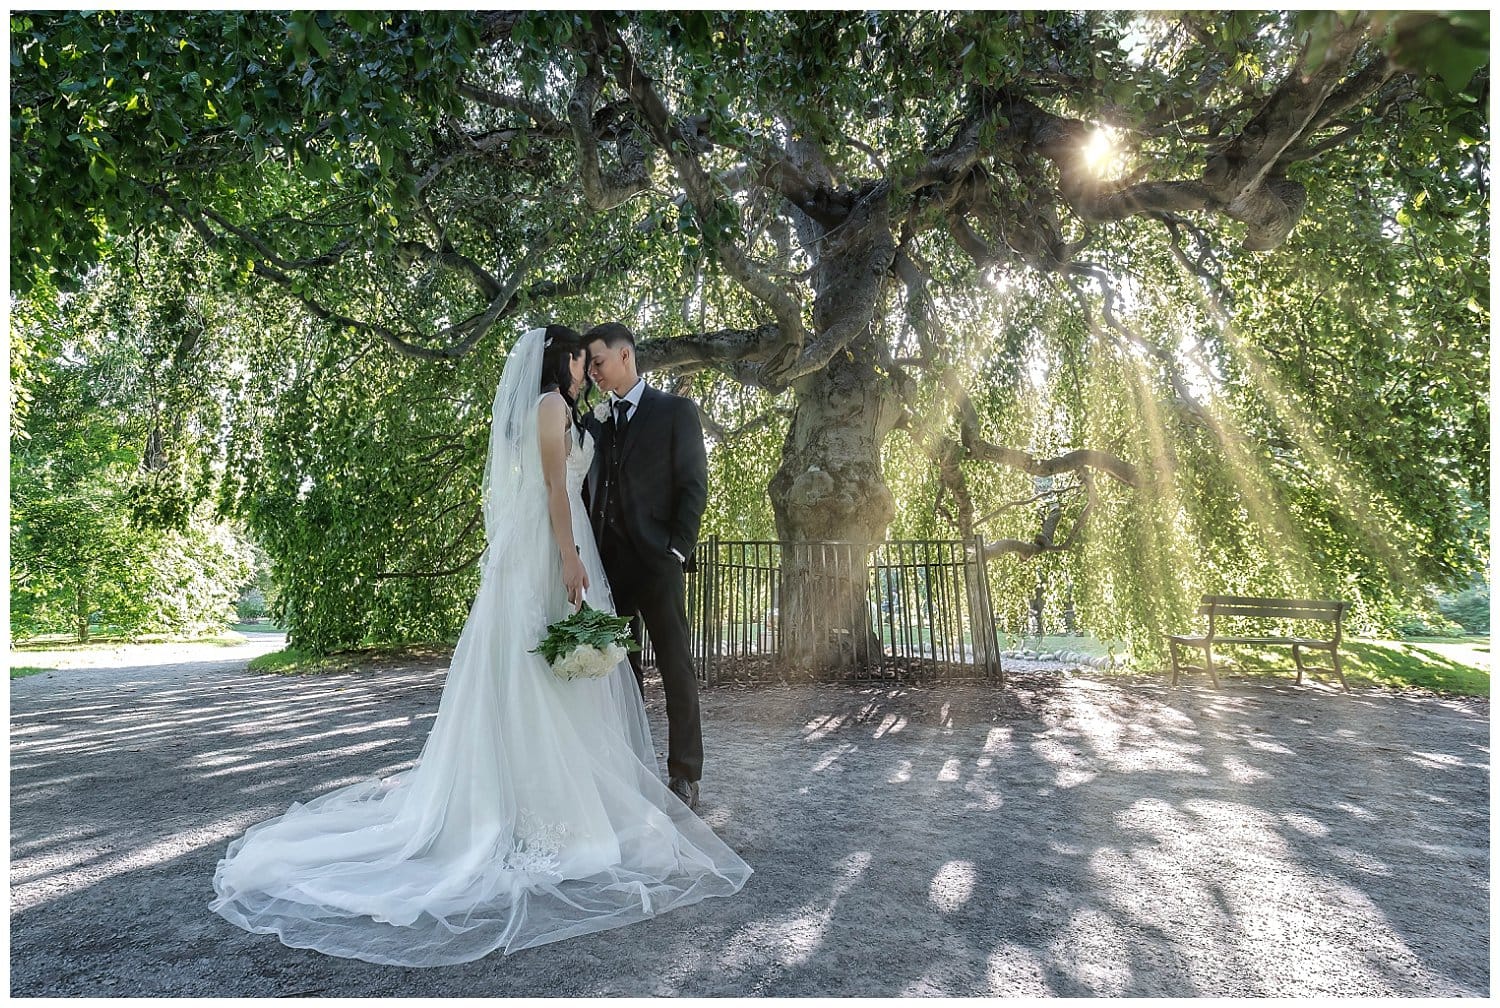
x=65, y=642
x=1442, y=665
x=22, y=671
x=290, y=661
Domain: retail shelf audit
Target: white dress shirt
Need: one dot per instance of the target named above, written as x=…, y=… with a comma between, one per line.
x=633, y=397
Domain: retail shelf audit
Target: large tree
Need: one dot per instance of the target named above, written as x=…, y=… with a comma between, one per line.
x=1060, y=248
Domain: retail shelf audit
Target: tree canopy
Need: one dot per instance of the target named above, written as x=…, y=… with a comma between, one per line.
x=1159, y=302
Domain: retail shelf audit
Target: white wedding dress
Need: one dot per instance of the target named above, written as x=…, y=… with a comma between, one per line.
x=535, y=811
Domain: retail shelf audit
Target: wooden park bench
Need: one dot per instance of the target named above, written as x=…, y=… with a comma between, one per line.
x=1260, y=610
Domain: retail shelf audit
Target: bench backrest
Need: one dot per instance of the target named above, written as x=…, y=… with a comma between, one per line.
x=1249, y=607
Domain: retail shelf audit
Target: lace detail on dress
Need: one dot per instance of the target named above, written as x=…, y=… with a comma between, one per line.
x=536, y=845
x=580, y=452
x=580, y=458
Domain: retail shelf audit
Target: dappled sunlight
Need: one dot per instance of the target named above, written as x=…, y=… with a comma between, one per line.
x=1015, y=966
x=821, y=727
x=27, y=895
x=1242, y=772
x=1360, y=860
x=1087, y=948
x=998, y=740
x=1236, y=878
x=1345, y=483
x=832, y=757
x=1168, y=821
x=1268, y=746
x=1091, y=738
x=952, y=885
x=1283, y=540
x=1063, y=760
x=274, y=740
x=1151, y=817
x=794, y=938
x=950, y=770
x=1441, y=759
x=1063, y=833
x=1305, y=825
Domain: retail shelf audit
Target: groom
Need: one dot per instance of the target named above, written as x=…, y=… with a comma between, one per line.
x=646, y=493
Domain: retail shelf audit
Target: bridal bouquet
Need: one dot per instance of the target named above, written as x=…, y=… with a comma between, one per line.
x=587, y=644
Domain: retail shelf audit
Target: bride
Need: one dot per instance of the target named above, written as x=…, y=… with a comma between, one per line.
x=535, y=811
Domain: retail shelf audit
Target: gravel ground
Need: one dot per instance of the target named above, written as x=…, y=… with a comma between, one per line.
x=1070, y=834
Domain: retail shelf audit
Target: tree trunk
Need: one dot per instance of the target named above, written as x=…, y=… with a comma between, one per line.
x=81, y=611
x=830, y=489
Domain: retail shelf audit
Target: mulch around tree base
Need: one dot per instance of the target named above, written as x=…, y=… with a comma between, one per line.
x=1068, y=834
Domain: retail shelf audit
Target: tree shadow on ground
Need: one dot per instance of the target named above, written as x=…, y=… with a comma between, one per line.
x=1124, y=845
x=1058, y=836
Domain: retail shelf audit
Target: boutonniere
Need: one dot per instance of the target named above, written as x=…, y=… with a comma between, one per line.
x=601, y=411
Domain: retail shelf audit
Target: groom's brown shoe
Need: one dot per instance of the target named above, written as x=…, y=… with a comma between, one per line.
x=686, y=790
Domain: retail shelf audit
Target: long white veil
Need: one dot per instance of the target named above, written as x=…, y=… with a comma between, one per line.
x=513, y=471
x=535, y=811
x=518, y=527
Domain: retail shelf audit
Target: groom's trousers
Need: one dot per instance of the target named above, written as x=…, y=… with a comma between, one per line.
x=656, y=593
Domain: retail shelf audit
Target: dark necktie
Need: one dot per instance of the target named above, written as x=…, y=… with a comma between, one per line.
x=622, y=414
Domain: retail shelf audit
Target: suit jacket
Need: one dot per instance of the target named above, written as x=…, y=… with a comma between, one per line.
x=663, y=484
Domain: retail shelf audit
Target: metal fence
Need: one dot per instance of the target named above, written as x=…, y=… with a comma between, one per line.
x=905, y=610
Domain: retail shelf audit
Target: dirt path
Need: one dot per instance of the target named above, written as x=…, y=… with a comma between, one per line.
x=1064, y=836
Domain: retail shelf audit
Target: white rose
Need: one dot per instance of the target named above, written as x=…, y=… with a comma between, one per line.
x=601, y=411
x=587, y=662
x=586, y=657
x=597, y=663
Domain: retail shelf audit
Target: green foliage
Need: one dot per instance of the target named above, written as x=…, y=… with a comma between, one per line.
x=105, y=104
x=88, y=542
x=291, y=661
x=1357, y=357
x=1469, y=608
x=1343, y=446
x=1449, y=46
x=251, y=605
x=360, y=499
x=1410, y=624
x=77, y=560
x=740, y=468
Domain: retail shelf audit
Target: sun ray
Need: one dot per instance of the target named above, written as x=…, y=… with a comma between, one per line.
x=1348, y=486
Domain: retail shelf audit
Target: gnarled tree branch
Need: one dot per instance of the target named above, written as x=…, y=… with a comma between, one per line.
x=669, y=138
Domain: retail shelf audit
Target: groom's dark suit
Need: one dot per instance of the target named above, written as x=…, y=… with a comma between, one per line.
x=646, y=492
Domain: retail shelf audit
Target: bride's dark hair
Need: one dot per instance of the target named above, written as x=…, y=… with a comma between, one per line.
x=559, y=347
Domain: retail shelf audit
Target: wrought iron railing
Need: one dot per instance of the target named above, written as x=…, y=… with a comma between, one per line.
x=909, y=609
